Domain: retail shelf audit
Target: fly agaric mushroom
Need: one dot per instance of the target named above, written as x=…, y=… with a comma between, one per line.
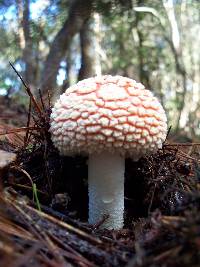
x=108, y=118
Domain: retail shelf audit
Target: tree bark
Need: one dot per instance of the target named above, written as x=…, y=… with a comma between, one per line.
x=143, y=75
x=26, y=43
x=86, y=69
x=174, y=43
x=97, y=33
x=67, y=81
x=90, y=48
x=79, y=12
x=177, y=51
x=30, y=68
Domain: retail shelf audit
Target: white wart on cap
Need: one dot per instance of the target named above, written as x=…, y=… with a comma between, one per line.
x=107, y=117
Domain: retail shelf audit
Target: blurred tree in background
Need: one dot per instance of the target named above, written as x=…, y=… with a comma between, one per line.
x=54, y=43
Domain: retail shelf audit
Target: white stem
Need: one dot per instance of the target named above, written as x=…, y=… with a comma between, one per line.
x=106, y=189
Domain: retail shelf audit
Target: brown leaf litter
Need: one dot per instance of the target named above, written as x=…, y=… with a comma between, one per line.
x=162, y=203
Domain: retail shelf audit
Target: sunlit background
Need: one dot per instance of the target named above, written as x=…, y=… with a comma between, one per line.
x=53, y=44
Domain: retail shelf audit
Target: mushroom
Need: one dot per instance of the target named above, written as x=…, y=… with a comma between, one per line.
x=107, y=118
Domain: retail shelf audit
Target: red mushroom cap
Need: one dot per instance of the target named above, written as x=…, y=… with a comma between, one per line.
x=108, y=113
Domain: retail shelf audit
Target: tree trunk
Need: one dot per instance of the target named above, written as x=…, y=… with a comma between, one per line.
x=175, y=46
x=67, y=81
x=177, y=51
x=90, y=43
x=79, y=12
x=97, y=43
x=143, y=75
x=87, y=55
x=26, y=43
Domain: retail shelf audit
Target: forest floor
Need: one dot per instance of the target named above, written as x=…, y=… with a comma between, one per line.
x=43, y=203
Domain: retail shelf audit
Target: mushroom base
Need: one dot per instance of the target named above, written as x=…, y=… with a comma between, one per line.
x=106, y=189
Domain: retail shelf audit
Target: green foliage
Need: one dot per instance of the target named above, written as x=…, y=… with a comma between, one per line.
x=35, y=197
